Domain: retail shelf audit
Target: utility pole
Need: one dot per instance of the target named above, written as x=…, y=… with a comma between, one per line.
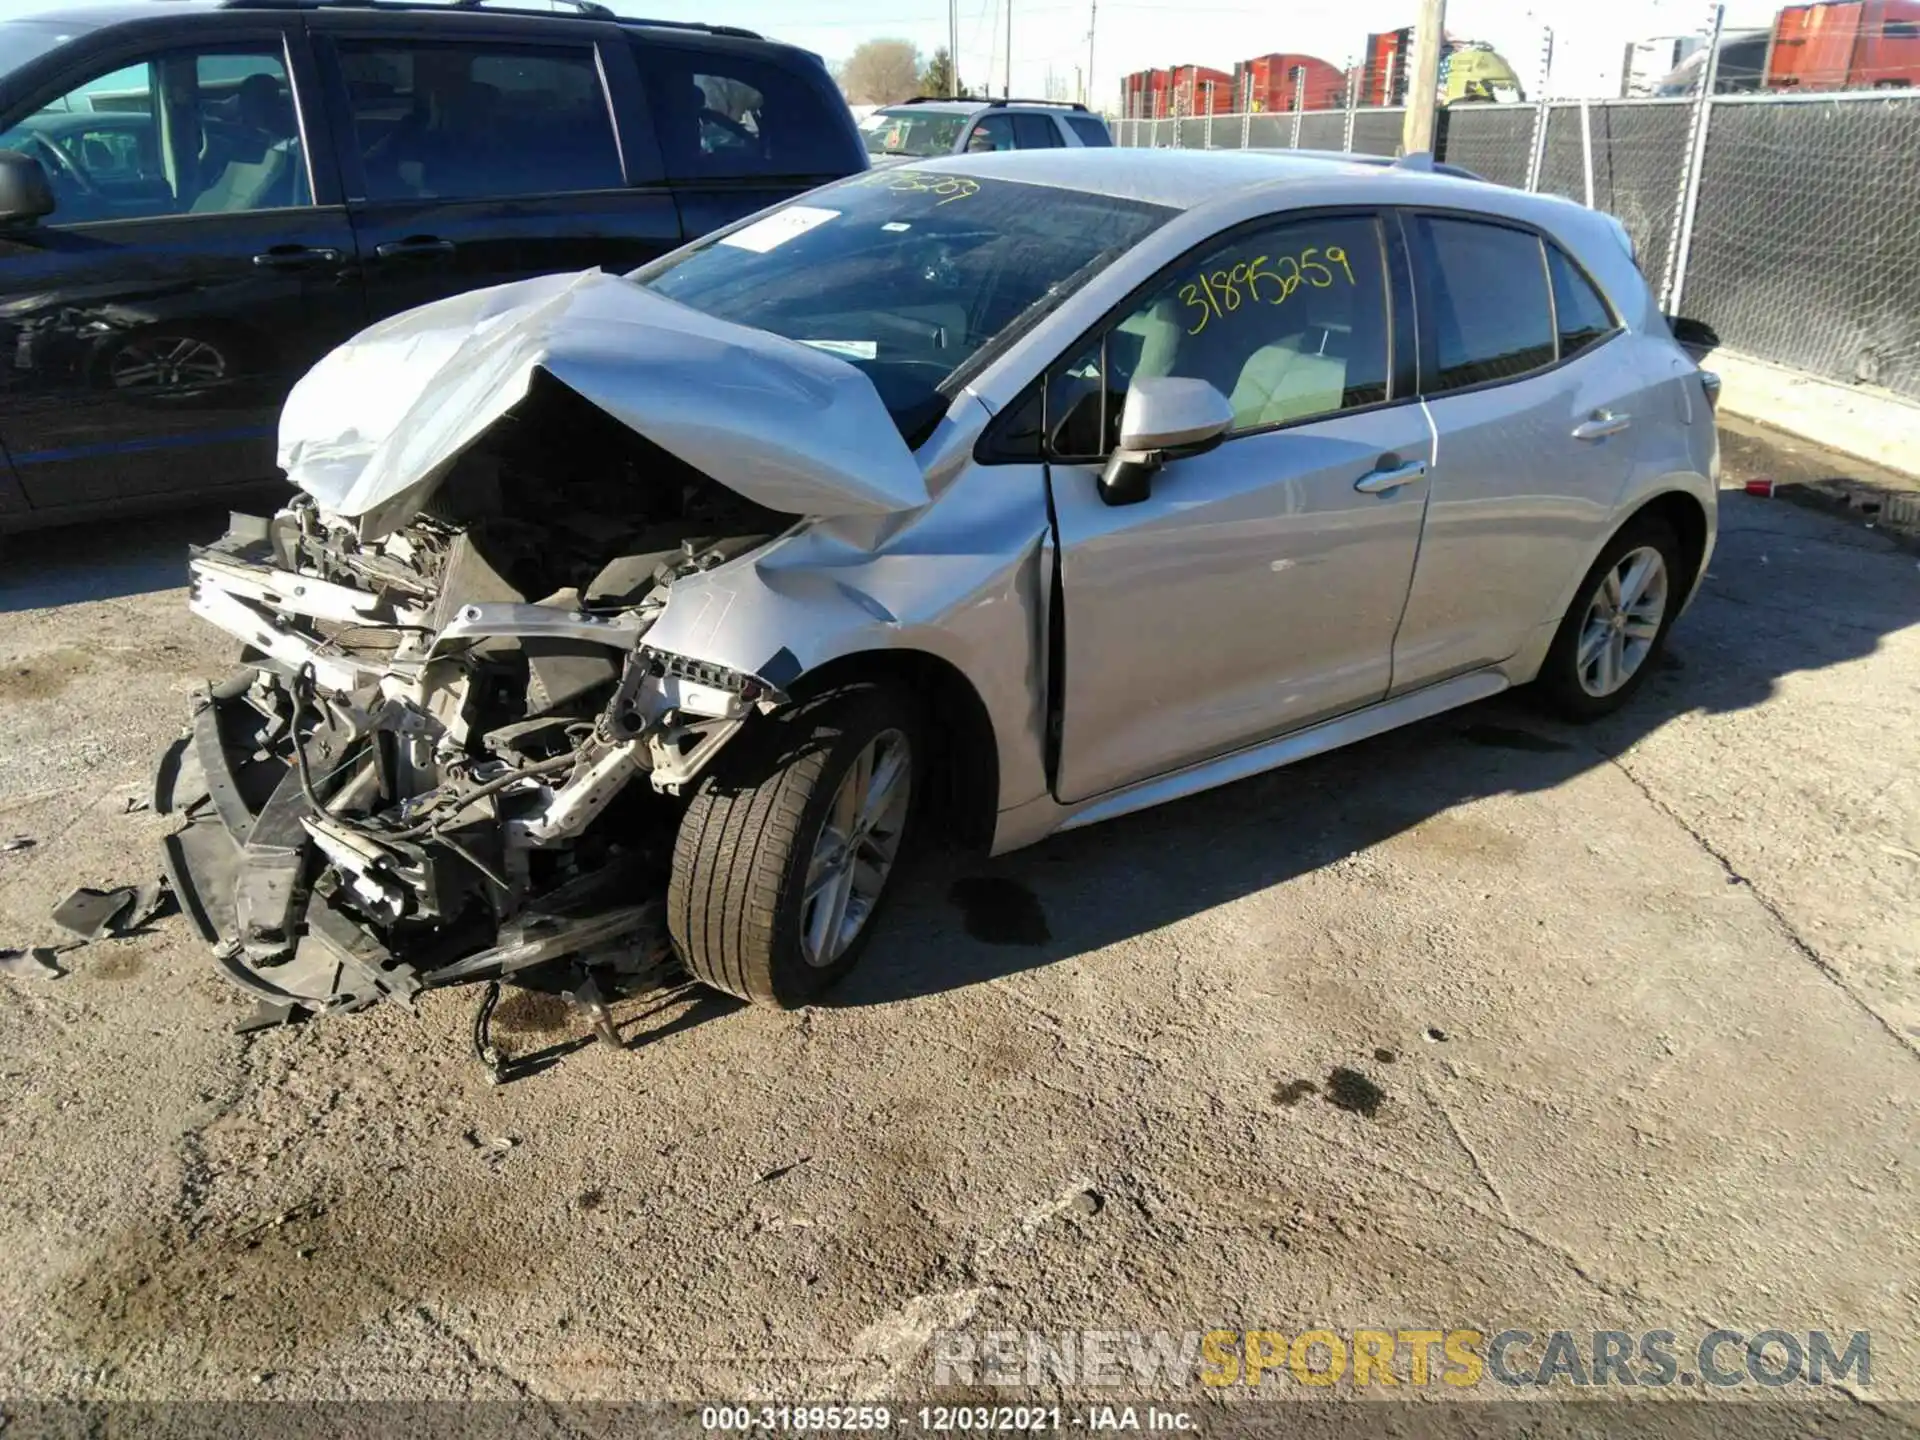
x=1093, y=16
x=1006, y=90
x=953, y=49
x=1423, y=78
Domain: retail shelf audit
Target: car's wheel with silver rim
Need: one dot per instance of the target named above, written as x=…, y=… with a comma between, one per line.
x=1618, y=622
x=790, y=844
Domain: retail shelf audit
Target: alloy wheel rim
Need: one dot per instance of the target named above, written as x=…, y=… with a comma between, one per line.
x=168, y=363
x=1622, y=622
x=854, y=852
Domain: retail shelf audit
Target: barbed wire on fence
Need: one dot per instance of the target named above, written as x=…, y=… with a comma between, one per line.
x=1806, y=217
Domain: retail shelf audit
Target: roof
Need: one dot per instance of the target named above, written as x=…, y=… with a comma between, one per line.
x=78, y=18
x=95, y=16
x=1180, y=179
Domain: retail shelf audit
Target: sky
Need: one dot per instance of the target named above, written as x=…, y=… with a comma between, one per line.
x=1050, y=36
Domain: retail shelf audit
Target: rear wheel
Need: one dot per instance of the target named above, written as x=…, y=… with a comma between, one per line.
x=1618, y=623
x=787, y=847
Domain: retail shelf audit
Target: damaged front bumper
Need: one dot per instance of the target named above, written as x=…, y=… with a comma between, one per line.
x=376, y=804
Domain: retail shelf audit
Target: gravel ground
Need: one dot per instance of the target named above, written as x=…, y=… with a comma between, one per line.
x=1491, y=1022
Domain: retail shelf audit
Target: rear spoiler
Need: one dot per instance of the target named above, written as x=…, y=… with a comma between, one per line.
x=1696, y=334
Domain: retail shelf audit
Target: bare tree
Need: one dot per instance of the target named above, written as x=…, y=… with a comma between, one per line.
x=881, y=72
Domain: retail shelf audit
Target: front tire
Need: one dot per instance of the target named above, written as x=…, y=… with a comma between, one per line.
x=1617, y=625
x=787, y=847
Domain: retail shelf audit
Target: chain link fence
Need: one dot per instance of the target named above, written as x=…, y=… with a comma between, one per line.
x=1805, y=241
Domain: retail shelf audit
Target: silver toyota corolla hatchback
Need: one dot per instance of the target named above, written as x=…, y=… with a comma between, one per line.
x=983, y=498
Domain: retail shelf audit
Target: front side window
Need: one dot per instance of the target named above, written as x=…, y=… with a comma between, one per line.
x=186, y=132
x=467, y=122
x=725, y=116
x=913, y=133
x=1288, y=322
x=906, y=273
x=994, y=132
x=1487, y=296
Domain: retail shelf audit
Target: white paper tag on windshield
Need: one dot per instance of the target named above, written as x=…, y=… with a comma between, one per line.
x=847, y=349
x=777, y=230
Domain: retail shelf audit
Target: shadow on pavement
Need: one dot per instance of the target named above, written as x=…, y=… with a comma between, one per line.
x=1786, y=593
x=105, y=560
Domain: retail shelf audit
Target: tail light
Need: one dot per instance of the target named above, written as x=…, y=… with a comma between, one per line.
x=1710, y=383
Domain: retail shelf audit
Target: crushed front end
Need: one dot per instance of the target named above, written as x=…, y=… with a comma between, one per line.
x=448, y=753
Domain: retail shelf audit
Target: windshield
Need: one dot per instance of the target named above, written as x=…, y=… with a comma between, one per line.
x=913, y=133
x=24, y=40
x=906, y=273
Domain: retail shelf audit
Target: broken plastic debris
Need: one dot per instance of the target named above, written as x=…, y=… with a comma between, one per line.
x=39, y=963
x=18, y=842
x=92, y=913
x=148, y=901
x=89, y=913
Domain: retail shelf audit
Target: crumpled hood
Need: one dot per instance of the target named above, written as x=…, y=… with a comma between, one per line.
x=374, y=427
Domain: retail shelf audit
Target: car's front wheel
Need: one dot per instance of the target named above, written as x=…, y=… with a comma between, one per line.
x=787, y=847
x=1618, y=623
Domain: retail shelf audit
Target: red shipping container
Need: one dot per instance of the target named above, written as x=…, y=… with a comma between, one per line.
x=1267, y=83
x=1198, y=88
x=1845, y=45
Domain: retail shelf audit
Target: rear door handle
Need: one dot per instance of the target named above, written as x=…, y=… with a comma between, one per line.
x=414, y=246
x=1391, y=477
x=1601, y=424
x=297, y=257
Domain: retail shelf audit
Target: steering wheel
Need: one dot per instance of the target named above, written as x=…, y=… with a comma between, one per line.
x=60, y=165
x=746, y=137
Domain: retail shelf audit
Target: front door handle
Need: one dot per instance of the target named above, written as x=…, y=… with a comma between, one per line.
x=414, y=247
x=297, y=257
x=1601, y=424
x=1390, y=477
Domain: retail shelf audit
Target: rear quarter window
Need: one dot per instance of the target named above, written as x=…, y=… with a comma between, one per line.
x=1090, y=130
x=726, y=115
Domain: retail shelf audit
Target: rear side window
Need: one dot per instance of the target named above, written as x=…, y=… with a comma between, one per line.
x=1090, y=130
x=453, y=122
x=1487, y=295
x=726, y=116
x=1580, y=315
x=1034, y=132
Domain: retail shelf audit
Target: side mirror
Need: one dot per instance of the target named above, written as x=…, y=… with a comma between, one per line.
x=25, y=193
x=1167, y=417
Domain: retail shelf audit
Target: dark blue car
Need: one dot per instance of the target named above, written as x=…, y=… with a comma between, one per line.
x=199, y=200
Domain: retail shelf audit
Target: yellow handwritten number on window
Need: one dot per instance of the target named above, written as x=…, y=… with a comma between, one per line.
x=1215, y=294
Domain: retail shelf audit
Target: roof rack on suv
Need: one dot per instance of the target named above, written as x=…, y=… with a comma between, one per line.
x=1016, y=100
x=592, y=9
x=988, y=103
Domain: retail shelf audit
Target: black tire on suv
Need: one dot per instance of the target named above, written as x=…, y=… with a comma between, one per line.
x=794, y=816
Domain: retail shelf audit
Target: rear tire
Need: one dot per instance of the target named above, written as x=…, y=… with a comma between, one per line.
x=779, y=827
x=1614, y=632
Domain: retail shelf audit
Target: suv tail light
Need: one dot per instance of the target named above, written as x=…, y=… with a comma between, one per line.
x=1710, y=383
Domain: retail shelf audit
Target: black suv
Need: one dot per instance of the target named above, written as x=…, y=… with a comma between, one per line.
x=215, y=195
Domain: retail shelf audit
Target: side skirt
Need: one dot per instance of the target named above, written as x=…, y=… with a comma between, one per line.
x=1034, y=821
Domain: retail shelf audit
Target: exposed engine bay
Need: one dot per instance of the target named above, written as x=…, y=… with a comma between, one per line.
x=448, y=752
